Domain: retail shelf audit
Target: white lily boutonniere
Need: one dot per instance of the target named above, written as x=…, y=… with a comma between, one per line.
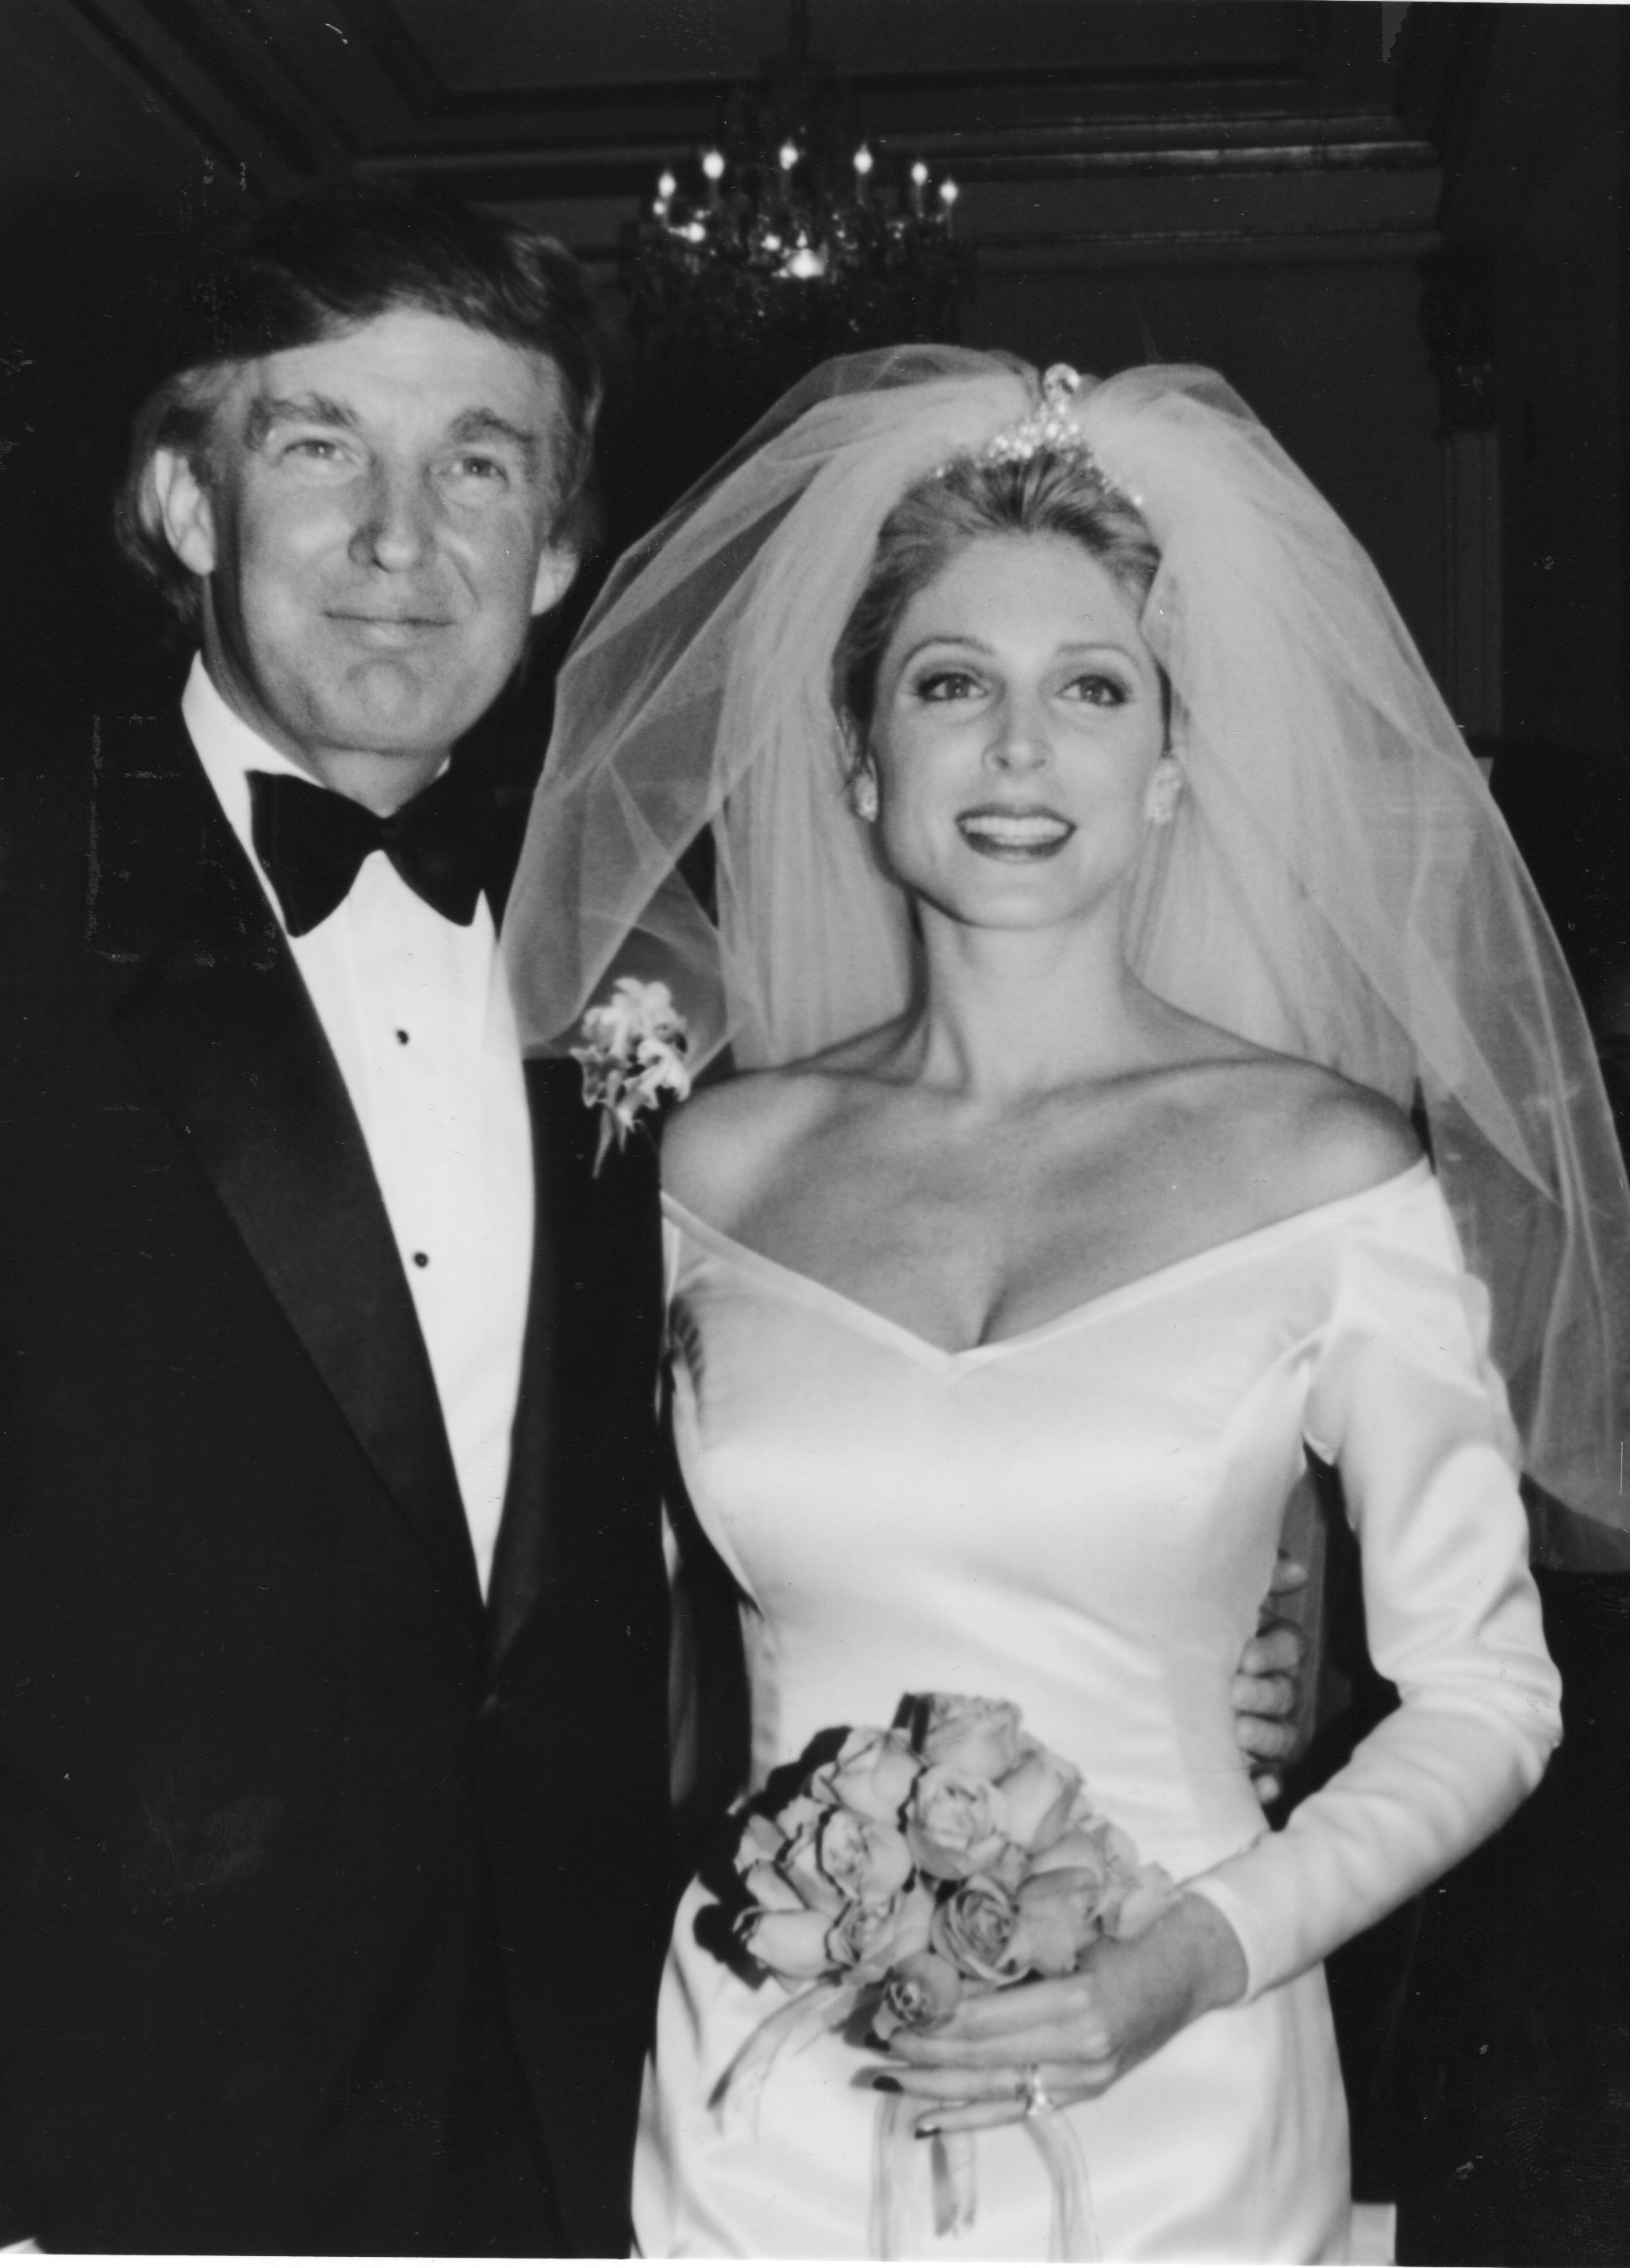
x=635, y=1046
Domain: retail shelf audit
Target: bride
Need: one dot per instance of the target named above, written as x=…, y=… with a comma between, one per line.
x=1100, y=886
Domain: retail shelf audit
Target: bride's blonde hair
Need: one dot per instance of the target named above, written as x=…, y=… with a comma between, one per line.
x=1050, y=493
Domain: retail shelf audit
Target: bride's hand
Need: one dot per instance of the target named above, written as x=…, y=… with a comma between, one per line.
x=1077, y=2034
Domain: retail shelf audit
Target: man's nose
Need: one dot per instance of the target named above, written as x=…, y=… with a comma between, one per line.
x=1020, y=742
x=395, y=528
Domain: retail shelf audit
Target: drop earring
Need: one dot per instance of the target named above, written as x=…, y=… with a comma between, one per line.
x=1166, y=793
x=863, y=796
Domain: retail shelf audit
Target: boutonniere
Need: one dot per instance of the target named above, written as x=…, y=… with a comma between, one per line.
x=635, y=1046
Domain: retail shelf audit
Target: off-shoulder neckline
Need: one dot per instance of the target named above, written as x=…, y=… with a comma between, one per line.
x=814, y=1293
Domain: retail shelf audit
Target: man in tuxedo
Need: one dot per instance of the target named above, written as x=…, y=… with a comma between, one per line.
x=334, y=1838
x=333, y=1621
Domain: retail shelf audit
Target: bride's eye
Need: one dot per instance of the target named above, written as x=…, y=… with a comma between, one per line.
x=1100, y=690
x=944, y=684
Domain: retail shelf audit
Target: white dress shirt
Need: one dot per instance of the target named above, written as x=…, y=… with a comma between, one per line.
x=418, y=1015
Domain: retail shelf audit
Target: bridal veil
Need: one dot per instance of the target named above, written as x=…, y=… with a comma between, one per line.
x=1338, y=882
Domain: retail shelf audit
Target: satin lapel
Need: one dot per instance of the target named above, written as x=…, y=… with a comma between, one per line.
x=584, y=1258
x=524, y=1555
x=224, y=1032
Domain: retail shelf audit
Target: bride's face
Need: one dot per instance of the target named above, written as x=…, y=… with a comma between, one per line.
x=1018, y=736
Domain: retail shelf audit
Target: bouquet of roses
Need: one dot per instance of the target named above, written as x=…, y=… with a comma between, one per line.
x=951, y=1854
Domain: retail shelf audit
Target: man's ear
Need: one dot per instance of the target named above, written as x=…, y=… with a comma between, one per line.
x=554, y=578
x=184, y=510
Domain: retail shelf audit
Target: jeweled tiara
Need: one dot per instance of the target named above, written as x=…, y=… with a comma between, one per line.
x=1052, y=428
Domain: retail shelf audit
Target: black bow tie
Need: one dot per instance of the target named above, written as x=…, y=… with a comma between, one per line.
x=313, y=843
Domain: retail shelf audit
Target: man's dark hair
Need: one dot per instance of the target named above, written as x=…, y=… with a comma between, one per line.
x=317, y=265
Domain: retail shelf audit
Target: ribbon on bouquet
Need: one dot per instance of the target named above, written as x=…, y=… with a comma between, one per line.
x=1074, y=2234
x=897, y=2147
x=896, y=2167
x=822, y=2008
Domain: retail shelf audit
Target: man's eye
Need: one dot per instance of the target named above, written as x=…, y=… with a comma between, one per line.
x=480, y=471
x=947, y=684
x=314, y=448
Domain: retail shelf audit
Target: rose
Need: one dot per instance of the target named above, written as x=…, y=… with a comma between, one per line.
x=1118, y=1844
x=1040, y=1792
x=871, y=1938
x=980, y=1738
x=760, y=1838
x=871, y=1773
x=867, y=1859
x=1008, y=1865
x=973, y=1927
x=1128, y=1911
x=800, y=1864
x=762, y=1841
x=767, y=1887
x=1083, y=1846
x=922, y=1990
x=913, y=1916
x=792, y=1945
x=858, y=1932
x=1134, y=1895
x=1058, y=1919
x=800, y=1811
x=955, y=1823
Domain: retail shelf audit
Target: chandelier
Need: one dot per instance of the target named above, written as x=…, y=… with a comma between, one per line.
x=786, y=238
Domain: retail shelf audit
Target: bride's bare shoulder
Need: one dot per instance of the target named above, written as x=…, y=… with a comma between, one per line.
x=728, y=1141
x=1318, y=1135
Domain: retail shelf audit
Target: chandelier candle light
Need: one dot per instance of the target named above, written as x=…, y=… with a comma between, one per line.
x=791, y=235
x=785, y=220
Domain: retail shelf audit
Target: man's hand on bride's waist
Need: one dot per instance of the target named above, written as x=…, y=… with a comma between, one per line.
x=1265, y=1689
x=1004, y=2055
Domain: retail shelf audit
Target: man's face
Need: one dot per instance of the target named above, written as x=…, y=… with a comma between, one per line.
x=375, y=539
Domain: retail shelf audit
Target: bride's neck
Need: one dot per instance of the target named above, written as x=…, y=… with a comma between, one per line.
x=1007, y=1014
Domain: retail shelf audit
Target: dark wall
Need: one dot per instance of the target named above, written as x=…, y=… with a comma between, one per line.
x=1330, y=357
x=1535, y=190
x=104, y=199
x=1550, y=138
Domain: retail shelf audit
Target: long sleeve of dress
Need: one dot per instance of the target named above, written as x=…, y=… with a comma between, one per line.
x=1402, y=1398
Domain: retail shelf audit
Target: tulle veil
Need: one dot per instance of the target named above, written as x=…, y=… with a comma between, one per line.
x=1338, y=882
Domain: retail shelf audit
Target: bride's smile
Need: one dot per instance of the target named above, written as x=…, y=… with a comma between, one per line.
x=1018, y=735
x=1014, y=831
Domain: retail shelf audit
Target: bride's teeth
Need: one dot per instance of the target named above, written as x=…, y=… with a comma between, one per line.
x=1016, y=831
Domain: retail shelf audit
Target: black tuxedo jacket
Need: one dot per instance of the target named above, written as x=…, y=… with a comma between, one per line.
x=333, y=1900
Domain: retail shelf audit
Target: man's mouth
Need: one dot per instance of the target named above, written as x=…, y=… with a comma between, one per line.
x=389, y=632
x=1001, y=832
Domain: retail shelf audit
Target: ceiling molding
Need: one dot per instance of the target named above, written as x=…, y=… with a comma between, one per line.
x=290, y=92
x=399, y=57
x=237, y=101
x=1218, y=247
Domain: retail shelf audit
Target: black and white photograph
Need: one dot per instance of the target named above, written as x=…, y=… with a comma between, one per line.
x=814, y=1089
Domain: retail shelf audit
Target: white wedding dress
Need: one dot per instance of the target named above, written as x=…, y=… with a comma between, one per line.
x=1081, y=1519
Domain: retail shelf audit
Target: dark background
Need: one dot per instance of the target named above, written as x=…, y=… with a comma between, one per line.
x=1400, y=231
x=1275, y=189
